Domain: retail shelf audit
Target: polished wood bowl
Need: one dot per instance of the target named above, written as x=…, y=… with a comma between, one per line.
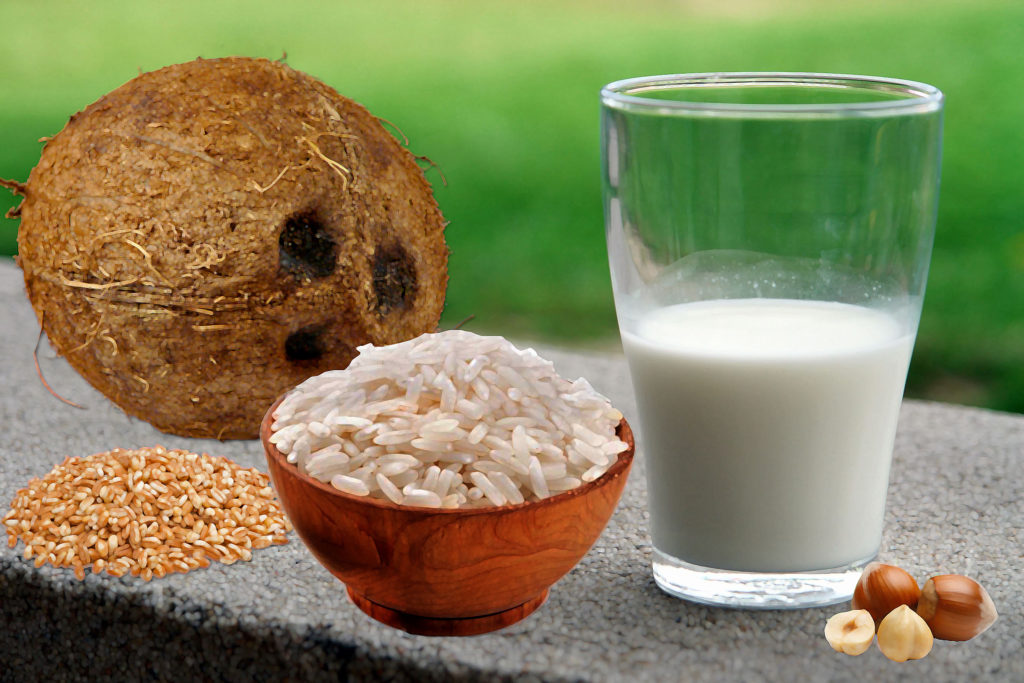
x=441, y=571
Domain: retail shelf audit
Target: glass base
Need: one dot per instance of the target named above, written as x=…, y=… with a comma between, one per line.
x=756, y=590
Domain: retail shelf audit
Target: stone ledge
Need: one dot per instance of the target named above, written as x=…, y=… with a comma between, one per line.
x=956, y=504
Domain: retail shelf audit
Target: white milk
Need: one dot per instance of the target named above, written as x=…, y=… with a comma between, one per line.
x=768, y=427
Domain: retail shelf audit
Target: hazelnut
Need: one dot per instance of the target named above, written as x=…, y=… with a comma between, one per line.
x=903, y=635
x=850, y=632
x=955, y=607
x=884, y=587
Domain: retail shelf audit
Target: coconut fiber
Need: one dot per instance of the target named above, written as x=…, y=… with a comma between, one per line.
x=208, y=235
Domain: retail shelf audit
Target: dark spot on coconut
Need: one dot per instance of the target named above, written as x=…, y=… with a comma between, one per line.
x=307, y=250
x=394, y=278
x=306, y=343
x=232, y=225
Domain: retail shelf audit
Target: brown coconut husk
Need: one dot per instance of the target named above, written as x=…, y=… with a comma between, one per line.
x=208, y=235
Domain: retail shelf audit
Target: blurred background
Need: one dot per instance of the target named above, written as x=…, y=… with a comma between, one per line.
x=503, y=97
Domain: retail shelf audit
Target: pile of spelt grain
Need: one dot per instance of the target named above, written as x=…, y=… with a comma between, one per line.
x=148, y=512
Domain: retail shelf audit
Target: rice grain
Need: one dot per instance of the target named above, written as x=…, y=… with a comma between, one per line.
x=500, y=420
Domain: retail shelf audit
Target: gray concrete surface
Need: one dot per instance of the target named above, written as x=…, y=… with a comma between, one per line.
x=956, y=505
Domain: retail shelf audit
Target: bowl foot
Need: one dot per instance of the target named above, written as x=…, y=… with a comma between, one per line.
x=433, y=626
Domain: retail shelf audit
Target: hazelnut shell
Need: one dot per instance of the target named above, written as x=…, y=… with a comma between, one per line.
x=956, y=607
x=884, y=587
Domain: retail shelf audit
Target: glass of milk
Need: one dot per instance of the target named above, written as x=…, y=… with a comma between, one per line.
x=769, y=237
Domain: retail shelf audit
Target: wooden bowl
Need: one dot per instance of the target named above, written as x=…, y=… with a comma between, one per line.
x=443, y=571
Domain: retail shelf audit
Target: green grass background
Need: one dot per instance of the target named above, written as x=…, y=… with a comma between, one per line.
x=503, y=96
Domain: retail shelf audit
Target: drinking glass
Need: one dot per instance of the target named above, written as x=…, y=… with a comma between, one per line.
x=769, y=236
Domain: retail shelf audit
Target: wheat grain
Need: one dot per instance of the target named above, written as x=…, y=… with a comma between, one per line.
x=149, y=512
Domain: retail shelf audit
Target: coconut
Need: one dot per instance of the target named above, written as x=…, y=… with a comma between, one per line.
x=211, y=234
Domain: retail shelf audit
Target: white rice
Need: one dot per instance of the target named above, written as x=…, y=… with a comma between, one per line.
x=448, y=420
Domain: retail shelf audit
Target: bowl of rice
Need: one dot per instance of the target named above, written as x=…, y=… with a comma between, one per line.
x=448, y=480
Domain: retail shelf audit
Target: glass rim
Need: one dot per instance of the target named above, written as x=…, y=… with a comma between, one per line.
x=920, y=98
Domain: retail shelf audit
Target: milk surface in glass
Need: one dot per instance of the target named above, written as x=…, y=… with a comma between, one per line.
x=768, y=426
